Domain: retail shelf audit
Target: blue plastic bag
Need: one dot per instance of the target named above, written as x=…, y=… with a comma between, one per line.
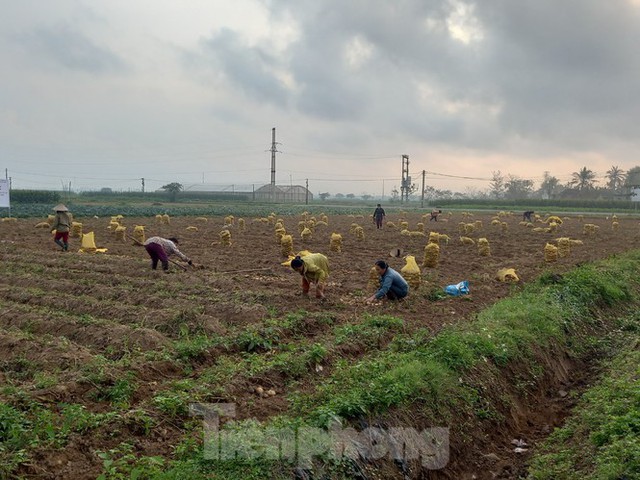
x=461, y=288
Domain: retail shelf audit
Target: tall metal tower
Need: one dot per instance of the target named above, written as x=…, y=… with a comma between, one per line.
x=405, y=186
x=273, y=164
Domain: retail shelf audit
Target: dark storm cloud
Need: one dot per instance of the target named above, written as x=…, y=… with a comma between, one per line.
x=250, y=68
x=68, y=47
x=562, y=74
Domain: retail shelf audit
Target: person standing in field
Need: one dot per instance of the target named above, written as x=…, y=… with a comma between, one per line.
x=159, y=249
x=62, y=226
x=392, y=285
x=314, y=268
x=378, y=216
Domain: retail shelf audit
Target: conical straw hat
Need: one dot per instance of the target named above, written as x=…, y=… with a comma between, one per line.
x=60, y=208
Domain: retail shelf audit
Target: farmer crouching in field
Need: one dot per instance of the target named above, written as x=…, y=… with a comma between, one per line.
x=160, y=248
x=392, y=285
x=62, y=226
x=314, y=268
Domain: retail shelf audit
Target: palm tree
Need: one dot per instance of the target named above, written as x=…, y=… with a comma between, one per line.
x=583, y=179
x=616, y=177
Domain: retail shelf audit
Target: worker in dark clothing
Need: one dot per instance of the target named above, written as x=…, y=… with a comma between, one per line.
x=378, y=216
x=526, y=216
x=434, y=214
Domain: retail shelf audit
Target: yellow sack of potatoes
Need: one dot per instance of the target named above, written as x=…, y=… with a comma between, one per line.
x=121, y=233
x=306, y=234
x=550, y=253
x=88, y=241
x=138, y=235
x=43, y=225
x=411, y=272
x=76, y=230
x=286, y=245
x=507, y=275
x=484, y=250
x=335, y=244
x=431, y=255
x=225, y=238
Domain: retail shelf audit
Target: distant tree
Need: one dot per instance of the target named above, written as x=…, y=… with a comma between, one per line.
x=549, y=186
x=173, y=189
x=497, y=187
x=366, y=197
x=324, y=195
x=339, y=195
x=430, y=193
x=615, y=177
x=584, y=179
x=633, y=177
x=516, y=187
x=395, y=195
x=350, y=196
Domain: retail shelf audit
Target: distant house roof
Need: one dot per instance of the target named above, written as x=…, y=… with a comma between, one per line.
x=212, y=188
x=281, y=189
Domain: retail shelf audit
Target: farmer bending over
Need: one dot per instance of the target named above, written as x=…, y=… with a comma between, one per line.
x=314, y=268
x=160, y=248
x=527, y=215
x=392, y=285
x=62, y=225
x=434, y=214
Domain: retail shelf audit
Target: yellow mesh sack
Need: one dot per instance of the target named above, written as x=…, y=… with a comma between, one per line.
x=483, y=247
x=550, y=253
x=138, y=235
x=225, y=238
x=411, y=272
x=335, y=243
x=564, y=247
x=507, y=275
x=306, y=235
x=120, y=233
x=76, y=230
x=286, y=244
x=431, y=255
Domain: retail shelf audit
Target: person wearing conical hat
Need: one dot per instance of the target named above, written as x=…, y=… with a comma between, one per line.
x=62, y=226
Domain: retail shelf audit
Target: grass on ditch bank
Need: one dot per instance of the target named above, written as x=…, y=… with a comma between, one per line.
x=602, y=438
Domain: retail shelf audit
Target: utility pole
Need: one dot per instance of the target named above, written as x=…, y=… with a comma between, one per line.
x=142, y=184
x=306, y=193
x=422, y=201
x=405, y=186
x=273, y=164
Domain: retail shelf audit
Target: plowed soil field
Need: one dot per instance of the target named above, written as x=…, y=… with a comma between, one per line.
x=99, y=352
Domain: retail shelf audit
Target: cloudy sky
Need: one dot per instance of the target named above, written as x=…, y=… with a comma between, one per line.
x=101, y=93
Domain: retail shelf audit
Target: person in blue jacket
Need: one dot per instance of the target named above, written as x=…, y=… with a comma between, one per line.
x=392, y=285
